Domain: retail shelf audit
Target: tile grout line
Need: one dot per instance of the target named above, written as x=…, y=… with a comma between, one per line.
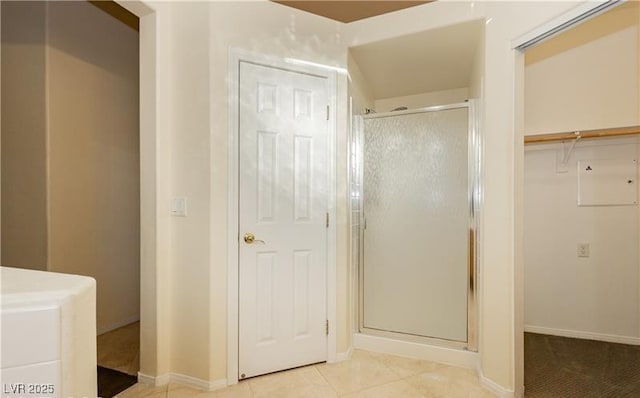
x=327, y=381
x=250, y=388
x=405, y=378
x=379, y=362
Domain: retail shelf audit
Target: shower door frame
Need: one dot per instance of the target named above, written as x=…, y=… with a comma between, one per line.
x=474, y=161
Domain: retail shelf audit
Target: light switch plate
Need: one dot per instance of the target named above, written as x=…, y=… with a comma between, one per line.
x=179, y=207
x=583, y=250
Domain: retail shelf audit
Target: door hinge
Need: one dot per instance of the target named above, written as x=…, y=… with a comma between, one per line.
x=328, y=112
x=327, y=326
x=327, y=220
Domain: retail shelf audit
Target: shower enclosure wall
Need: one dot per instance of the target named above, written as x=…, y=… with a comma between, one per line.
x=414, y=202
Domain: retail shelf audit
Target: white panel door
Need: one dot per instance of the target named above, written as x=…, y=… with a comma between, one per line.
x=283, y=204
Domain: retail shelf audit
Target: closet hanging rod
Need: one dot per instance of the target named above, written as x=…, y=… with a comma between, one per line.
x=586, y=134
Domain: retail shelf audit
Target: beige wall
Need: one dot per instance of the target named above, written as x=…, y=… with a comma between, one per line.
x=586, y=78
x=92, y=153
x=476, y=81
x=359, y=89
x=24, y=159
x=195, y=284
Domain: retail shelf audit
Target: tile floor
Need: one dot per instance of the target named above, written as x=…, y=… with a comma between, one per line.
x=365, y=375
x=120, y=349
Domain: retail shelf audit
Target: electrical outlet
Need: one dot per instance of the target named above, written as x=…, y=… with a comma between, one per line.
x=583, y=250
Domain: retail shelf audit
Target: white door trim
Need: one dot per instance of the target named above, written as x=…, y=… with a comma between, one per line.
x=235, y=57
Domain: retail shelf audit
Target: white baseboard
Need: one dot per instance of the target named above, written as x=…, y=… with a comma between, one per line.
x=198, y=383
x=495, y=387
x=184, y=380
x=609, y=338
x=155, y=381
x=343, y=356
x=118, y=324
x=449, y=356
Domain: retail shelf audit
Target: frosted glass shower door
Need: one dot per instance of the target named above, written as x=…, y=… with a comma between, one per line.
x=416, y=237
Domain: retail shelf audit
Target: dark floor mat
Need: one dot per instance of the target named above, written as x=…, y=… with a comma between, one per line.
x=112, y=382
x=566, y=368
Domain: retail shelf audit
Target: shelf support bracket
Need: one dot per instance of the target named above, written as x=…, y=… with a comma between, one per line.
x=562, y=160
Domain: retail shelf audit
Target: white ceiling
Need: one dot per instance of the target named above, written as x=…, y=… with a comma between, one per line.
x=434, y=60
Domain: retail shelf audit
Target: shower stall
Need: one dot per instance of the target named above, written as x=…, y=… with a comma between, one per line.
x=414, y=200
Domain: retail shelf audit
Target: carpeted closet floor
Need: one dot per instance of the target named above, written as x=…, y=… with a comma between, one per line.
x=565, y=368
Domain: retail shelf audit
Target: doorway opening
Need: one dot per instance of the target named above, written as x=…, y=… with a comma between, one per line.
x=71, y=155
x=581, y=222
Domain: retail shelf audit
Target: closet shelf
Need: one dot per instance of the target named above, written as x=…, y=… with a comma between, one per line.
x=586, y=134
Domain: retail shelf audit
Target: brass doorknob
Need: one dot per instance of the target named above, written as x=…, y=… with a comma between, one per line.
x=249, y=238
